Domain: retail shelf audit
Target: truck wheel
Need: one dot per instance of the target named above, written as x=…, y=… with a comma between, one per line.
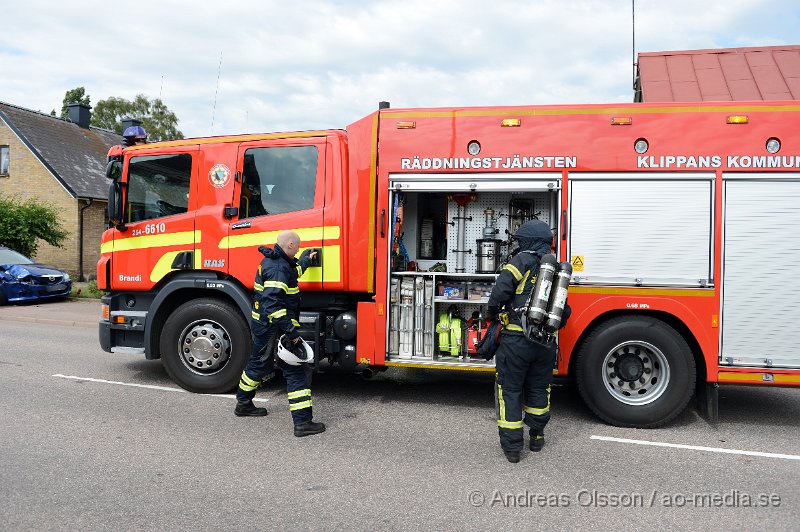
x=636, y=372
x=205, y=345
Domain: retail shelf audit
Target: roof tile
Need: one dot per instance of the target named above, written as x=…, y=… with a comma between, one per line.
x=680, y=68
x=744, y=89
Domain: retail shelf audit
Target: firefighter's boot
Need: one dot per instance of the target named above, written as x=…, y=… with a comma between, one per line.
x=308, y=428
x=537, y=441
x=247, y=408
x=512, y=456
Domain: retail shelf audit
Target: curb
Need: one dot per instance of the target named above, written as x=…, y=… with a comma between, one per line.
x=49, y=321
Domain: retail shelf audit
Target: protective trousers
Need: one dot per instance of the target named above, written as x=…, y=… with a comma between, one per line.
x=524, y=376
x=298, y=390
x=262, y=362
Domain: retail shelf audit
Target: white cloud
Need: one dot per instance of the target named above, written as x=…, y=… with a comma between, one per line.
x=319, y=64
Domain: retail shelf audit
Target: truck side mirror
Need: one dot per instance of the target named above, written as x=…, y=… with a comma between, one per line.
x=115, y=204
x=114, y=169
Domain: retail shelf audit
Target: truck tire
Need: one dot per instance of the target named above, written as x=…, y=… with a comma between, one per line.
x=205, y=345
x=635, y=371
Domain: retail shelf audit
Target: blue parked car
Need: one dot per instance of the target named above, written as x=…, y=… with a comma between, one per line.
x=21, y=279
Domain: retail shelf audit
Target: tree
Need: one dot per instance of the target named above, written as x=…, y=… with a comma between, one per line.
x=76, y=95
x=159, y=122
x=22, y=225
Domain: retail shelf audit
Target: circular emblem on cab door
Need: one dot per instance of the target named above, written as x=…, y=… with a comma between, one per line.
x=219, y=175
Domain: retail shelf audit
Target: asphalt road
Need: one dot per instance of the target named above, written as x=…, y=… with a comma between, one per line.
x=405, y=450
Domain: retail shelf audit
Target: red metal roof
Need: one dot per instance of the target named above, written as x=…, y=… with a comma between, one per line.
x=723, y=74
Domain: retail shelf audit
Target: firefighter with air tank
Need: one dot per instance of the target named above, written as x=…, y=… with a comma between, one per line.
x=530, y=298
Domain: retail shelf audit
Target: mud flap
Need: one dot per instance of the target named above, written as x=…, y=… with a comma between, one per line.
x=707, y=395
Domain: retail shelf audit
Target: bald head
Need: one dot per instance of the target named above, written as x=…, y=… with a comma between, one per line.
x=289, y=241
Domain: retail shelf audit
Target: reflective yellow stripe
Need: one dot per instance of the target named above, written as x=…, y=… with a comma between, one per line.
x=234, y=138
x=299, y=270
x=151, y=241
x=655, y=292
x=247, y=384
x=277, y=314
x=513, y=327
x=255, y=315
x=163, y=266
x=615, y=110
x=296, y=323
x=328, y=232
x=305, y=392
x=246, y=388
x=539, y=411
x=521, y=285
x=536, y=411
x=248, y=380
x=502, y=403
x=514, y=271
x=300, y=406
x=371, y=218
x=276, y=284
x=503, y=423
x=330, y=269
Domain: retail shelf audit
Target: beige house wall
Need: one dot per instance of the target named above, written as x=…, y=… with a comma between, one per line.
x=28, y=178
x=94, y=223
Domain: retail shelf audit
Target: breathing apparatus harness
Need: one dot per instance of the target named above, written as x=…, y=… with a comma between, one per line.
x=541, y=316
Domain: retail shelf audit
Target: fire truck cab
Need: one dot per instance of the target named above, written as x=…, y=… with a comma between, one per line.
x=677, y=219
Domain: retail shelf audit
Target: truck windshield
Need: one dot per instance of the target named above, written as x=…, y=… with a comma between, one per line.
x=158, y=185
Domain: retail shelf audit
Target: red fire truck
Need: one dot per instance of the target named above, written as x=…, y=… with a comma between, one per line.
x=679, y=220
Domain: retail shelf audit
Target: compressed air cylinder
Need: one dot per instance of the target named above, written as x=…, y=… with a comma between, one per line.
x=558, y=298
x=540, y=295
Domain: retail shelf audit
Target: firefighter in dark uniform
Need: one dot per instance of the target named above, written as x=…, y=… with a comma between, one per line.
x=524, y=368
x=275, y=311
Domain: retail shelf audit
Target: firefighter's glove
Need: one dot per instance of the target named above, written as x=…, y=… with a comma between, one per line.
x=293, y=336
x=307, y=255
x=491, y=313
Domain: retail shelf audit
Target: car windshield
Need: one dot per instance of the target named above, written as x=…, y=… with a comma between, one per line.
x=8, y=256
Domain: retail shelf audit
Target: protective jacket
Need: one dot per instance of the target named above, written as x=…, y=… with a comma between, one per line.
x=518, y=277
x=277, y=297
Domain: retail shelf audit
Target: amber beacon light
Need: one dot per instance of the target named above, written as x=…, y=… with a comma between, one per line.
x=738, y=119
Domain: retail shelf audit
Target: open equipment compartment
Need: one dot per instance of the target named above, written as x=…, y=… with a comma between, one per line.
x=450, y=235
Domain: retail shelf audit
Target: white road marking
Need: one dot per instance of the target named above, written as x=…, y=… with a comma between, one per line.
x=150, y=387
x=698, y=448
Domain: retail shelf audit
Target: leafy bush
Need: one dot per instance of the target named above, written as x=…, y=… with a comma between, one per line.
x=22, y=225
x=89, y=291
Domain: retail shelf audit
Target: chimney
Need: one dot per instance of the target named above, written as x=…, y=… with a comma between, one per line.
x=130, y=122
x=79, y=114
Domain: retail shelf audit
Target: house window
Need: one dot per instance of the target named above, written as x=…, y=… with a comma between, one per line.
x=277, y=180
x=158, y=185
x=3, y=160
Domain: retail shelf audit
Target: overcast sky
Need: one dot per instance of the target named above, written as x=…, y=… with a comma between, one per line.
x=309, y=64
